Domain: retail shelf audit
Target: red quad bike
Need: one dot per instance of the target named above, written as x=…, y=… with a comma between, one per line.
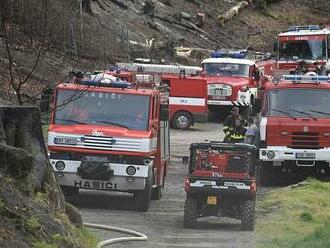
x=221, y=183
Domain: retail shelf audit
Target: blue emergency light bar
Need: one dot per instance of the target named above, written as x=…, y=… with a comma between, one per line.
x=112, y=84
x=308, y=27
x=240, y=54
x=300, y=78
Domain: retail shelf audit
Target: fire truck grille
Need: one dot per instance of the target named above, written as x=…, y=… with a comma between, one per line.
x=219, y=90
x=111, y=143
x=305, y=140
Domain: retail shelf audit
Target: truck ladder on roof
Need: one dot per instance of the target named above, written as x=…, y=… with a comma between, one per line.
x=157, y=68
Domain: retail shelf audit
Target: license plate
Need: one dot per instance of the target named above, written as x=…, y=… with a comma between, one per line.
x=219, y=97
x=211, y=200
x=306, y=155
x=89, y=184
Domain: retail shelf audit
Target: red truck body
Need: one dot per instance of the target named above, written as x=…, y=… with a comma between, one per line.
x=125, y=127
x=230, y=82
x=294, y=125
x=301, y=46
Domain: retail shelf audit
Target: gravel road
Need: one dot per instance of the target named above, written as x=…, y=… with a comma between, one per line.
x=163, y=222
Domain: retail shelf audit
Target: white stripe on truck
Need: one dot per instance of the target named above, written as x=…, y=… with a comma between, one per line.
x=187, y=101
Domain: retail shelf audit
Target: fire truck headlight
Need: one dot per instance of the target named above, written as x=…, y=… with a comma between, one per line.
x=270, y=154
x=60, y=165
x=130, y=170
x=147, y=161
x=242, y=97
x=65, y=140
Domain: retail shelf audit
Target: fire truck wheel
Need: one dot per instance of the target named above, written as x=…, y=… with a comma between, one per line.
x=182, y=120
x=142, y=198
x=69, y=191
x=190, y=212
x=266, y=174
x=157, y=192
x=247, y=215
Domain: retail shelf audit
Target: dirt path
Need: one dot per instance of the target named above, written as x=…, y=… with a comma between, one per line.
x=163, y=222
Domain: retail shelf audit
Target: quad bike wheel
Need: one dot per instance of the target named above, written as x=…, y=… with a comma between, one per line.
x=247, y=215
x=190, y=212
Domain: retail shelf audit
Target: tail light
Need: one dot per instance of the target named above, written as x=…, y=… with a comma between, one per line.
x=187, y=184
x=253, y=186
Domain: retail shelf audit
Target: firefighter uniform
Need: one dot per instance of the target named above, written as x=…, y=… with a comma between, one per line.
x=235, y=134
x=229, y=124
x=234, y=127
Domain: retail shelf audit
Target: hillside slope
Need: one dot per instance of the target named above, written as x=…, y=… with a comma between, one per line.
x=107, y=32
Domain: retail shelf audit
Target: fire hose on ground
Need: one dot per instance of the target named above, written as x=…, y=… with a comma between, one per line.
x=138, y=236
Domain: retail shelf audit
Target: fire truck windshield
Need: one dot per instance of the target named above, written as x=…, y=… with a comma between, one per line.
x=298, y=102
x=302, y=49
x=226, y=69
x=100, y=108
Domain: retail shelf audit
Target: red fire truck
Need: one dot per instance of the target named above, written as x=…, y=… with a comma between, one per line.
x=231, y=80
x=294, y=127
x=109, y=136
x=299, y=50
x=187, y=90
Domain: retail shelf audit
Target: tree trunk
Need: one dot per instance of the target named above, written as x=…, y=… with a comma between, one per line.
x=28, y=188
x=233, y=12
x=22, y=140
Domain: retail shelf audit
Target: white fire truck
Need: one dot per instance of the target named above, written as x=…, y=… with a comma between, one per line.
x=106, y=135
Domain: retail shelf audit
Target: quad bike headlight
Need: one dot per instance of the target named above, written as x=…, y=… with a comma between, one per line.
x=60, y=165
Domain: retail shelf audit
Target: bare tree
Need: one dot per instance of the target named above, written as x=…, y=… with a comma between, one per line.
x=19, y=75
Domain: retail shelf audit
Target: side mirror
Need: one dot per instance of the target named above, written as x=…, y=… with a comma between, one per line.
x=46, y=96
x=275, y=45
x=257, y=105
x=164, y=111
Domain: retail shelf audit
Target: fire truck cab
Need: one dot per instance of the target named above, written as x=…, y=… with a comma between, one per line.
x=294, y=127
x=110, y=137
x=299, y=50
x=232, y=80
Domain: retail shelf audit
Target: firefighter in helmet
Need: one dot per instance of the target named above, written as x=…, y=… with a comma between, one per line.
x=229, y=123
x=237, y=133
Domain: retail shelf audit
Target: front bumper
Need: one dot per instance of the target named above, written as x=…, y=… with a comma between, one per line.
x=120, y=181
x=283, y=153
x=227, y=103
x=221, y=186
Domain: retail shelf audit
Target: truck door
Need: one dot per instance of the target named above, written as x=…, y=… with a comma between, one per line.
x=164, y=131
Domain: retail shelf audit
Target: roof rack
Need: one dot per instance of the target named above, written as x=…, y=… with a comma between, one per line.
x=306, y=79
x=307, y=27
x=159, y=68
